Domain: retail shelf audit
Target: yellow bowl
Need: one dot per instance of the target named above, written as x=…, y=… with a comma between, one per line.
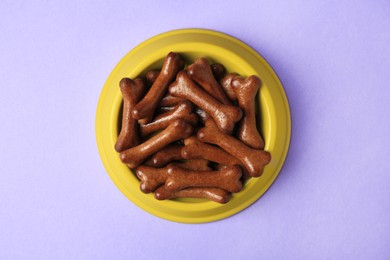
x=273, y=117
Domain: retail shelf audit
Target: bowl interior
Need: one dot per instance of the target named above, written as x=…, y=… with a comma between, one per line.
x=272, y=116
x=190, y=58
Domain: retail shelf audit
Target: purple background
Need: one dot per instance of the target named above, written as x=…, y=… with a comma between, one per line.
x=330, y=201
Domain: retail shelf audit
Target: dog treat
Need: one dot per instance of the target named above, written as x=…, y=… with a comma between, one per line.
x=132, y=92
x=226, y=84
x=182, y=110
x=144, y=121
x=162, y=110
x=201, y=73
x=224, y=115
x=196, y=165
x=166, y=155
x=218, y=70
x=245, y=174
x=169, y=101
x=195, y=149
x=201, y=114
x=227, y=178
x=146, y=107
x=246, y=90
x=178, y=129
x=253, y=160
x=152, y=75
x=214, y=194
x=151, y=178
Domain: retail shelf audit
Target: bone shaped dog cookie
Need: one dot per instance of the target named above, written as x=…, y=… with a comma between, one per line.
x=218, y=70
x=226, y=84
x=132, y=92
x=162, y=110
x=195, y=149
x=224, y=115
x=182, y=110
x=201, y=73
x=245, y=174
x=178, y=129
x=246, y=90
x=196, y=165
x=152, y=75
x=253, y=160
x=201, y=114
x=227, y=178
x=166, y=155
x=214, y=194
x=169, y=101
x=146, y=107
x=152, y=178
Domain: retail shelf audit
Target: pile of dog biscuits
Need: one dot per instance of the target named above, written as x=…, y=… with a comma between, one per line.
x=191, y=133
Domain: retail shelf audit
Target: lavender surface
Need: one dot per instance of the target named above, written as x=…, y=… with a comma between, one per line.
x=331, y=199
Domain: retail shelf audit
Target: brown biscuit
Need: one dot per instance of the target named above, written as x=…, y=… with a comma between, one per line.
x=253, y=160
x=224, y=115
x=182, y=110
x=226, y=84
x=162, y=110
x=245, y=174
x=201, y=114
x=246, y=90
x=178, y=129
x=195, y=149
x=214, y=194
x=196, y=165
x=152, y=75
x=201, y=73
x=146, y=107
x=132, y=92
x=227, y=178
x=218, y=70
x=169, y=101
x=166, y=155
x=151, y=178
